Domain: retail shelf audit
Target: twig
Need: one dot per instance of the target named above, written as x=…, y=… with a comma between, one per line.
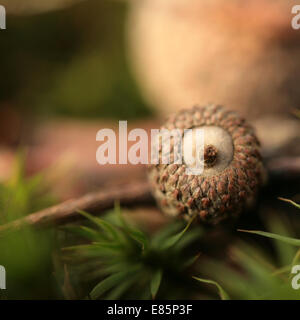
x=126, y=195
x=132, y=194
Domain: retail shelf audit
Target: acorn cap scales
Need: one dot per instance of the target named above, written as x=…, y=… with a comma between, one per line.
x=232, y=166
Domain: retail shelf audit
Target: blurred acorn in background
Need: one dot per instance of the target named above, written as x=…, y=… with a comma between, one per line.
x=243, y=54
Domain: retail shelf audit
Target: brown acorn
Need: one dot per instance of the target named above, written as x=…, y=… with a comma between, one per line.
x=232, y=166
x=244, y=54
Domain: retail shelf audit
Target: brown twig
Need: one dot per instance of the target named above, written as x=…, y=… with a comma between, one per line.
x=133, y=193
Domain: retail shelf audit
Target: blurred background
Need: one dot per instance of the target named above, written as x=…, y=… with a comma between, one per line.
x=72, y=67
x=65, y=76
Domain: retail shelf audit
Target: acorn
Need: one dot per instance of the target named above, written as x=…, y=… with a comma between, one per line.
x=232, y=171
x=216, y=50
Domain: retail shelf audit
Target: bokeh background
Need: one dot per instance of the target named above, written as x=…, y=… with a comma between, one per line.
x=65, y=76
x=68, y=62
x=72, y=67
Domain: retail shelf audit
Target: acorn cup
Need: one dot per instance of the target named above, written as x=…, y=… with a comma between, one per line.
x=232, y=166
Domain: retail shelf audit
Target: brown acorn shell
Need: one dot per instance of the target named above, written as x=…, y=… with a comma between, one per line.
x=220, y=196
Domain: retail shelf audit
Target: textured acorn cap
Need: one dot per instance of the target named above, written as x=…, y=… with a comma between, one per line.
x=232, y=174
